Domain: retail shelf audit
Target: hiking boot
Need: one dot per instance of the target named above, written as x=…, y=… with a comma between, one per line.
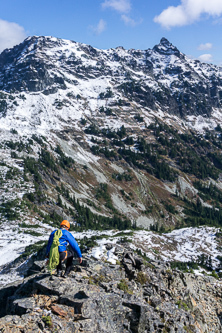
x=59, y=273
x=65, y=275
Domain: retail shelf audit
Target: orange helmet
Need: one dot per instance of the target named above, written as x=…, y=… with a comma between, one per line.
x=65, y=223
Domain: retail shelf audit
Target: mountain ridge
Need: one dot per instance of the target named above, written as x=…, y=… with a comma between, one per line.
x=165, y=84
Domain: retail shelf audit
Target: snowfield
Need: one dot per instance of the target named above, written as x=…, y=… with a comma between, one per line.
x=179, y=245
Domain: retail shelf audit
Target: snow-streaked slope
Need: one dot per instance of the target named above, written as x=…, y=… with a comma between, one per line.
x=50, y=84
x=183, y=245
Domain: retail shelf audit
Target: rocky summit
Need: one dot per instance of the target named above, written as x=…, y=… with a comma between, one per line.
x=134, y=295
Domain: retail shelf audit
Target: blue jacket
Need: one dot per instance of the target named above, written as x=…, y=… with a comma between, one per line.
x=64, y=240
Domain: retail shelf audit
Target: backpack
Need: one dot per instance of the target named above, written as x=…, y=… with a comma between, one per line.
x=54, y=251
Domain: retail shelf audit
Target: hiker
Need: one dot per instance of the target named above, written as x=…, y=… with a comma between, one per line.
x=59, y=240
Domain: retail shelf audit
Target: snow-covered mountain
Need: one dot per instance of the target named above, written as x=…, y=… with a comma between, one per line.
x=108, y=138
x=44, y=75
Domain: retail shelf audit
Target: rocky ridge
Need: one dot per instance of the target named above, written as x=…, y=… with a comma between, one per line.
x=161, y=78
x=135, y=295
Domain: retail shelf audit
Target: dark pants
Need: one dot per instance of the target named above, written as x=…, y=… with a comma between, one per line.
x=68, y=259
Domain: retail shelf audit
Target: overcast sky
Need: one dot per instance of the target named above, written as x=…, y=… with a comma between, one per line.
x=193, y=26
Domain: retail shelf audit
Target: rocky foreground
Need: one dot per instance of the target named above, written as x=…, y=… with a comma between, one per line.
x=134, y=295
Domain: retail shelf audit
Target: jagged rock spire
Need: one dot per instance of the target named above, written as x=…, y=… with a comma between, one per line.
x=166, y=48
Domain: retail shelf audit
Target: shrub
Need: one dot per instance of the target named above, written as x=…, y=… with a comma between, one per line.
x=214, y=274
x=142, y=278
x=182, y=304
x=30, y=196
x=47, y=320
x=122, y=285
x=139, y=118
x=83, y=121
x=13, y=131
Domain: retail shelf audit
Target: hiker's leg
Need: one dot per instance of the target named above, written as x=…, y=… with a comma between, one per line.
x=61, y=258
x=70, y=256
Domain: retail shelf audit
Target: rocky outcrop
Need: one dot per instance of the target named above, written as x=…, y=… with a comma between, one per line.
x=135, y=295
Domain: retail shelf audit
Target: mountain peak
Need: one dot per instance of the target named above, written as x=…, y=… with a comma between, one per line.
x=166, y=48
x=164, y=41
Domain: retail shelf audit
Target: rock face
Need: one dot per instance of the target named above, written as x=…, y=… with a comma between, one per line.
x=133, y=296
x=161, y=77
